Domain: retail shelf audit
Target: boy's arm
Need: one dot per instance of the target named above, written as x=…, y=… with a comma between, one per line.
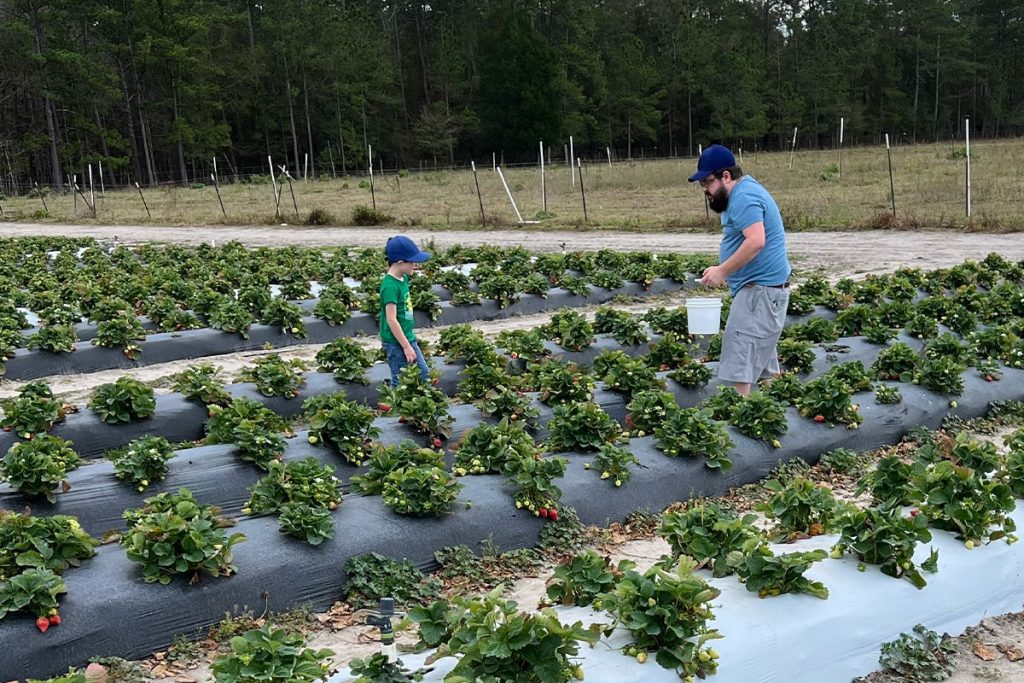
x=391, y=315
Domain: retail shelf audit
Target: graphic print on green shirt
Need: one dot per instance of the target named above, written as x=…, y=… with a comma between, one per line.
x=395, y=291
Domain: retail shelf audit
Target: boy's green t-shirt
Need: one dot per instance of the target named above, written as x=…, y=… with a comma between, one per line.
x=395, y=291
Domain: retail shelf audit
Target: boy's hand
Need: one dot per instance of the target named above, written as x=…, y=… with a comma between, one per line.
x=410, y=354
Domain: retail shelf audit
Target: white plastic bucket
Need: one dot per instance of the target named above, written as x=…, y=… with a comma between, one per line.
x=703, y=316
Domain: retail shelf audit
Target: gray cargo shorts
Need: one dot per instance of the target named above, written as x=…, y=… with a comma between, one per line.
x=752, y=332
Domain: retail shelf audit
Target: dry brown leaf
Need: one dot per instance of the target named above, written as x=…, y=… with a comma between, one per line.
x=985, y=653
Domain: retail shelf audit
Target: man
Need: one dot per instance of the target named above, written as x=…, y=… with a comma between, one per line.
x=753, y=261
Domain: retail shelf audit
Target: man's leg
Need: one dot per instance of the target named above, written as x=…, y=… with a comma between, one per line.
x=739, y=343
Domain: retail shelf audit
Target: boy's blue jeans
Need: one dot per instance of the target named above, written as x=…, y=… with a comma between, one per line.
x=396, y=361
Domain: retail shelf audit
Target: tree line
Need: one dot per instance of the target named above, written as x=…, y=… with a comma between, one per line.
x=154, y=89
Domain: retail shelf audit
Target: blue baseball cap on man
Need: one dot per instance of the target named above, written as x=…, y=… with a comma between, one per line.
x=713, y=159
x=401, y=248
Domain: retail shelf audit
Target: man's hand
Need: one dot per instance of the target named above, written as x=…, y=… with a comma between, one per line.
x=713, y=277
x=410, y=354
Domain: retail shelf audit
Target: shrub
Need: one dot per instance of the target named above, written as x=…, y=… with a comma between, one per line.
x=365, y=216
x=707, y=533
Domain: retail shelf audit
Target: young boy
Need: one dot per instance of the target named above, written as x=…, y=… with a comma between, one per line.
x=396, y=332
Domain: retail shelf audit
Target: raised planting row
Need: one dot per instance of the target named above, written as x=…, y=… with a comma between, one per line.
x=268, y=564
x=265, y=296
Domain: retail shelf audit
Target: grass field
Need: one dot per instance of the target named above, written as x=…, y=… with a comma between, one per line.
x=640, y=195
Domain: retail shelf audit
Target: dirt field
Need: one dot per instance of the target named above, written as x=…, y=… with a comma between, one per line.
x=838, y=253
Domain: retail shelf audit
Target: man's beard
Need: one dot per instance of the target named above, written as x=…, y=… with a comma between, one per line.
x=719, y=200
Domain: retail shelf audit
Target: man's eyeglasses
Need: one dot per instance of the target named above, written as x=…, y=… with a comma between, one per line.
x=706, y=182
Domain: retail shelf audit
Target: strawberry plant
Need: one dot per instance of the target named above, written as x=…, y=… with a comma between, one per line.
x=853, y=374
x=169, y=316
x=613, y=463
x=948, y=346
x=420, y=490
x=668, y=353
x=33, y=591
x=232, y=317
x=423, y=406
x=346, y=359
x=109, y=308
x=786, y=388
x=54, y=339
x=942, y=375
x=55, y=543
x=855, y=319
x=583, y=577
x=922, y=326
x=889, y=482
x=760, y=416
x=816, y=330
x=885, y=395
x=767, y=574
x=918, y=657
x=121, y=332
x=827, y=399
x=692, y=433
x=257, y=443
x=502, y=288
x=533, y=477
x=309, y=523
x=220, y=428
x=880, y=334
x=426, y=300
x=123, y=401
x=275, y=376
x=347, y=427
x=607, y=279
x=373, y=576
x=691, y=374
x=536, y=284
x=286, y=315
x=201, y=383
x=143, y=461
x=896, y=362
x=487, y=447
x=574, y=285
x=560, y=383
x=957, y=499
x=796, y=355
x=841, y=461
x=895, y=314
x=494, y=641
x=665, y=321
x=800, y=508
x=666, y=611
x=306, y=482
x=980, y=456
x=708, y=532
x=502, y=402
x=648, y=409
x=37, y=467
x=581, y=427
x=254, y=297
x=386, y=459
x=625, y=374
x=1013, y=473
x=379, y=668
x=175, y=534
x=882, y=536
x=271, y=654
x=331, y=310
x=33, y=411
x=623, y=326
x=478, y=380
x=60, y=314
x=723, y=402
x=571, y=330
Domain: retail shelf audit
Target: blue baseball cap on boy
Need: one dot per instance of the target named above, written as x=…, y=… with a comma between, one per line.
x=401, y=248
x=713, y=159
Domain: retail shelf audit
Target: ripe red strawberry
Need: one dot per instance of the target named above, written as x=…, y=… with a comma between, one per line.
x=437, y=443
x=384, y=407
x=553, y=515
x=513, y=355
x=7, y=429
x=819, y=418
x=915, y=512
x=402, y=420
x=543, y=512
x=54, y=619
x=435, y=381
x=42, y=623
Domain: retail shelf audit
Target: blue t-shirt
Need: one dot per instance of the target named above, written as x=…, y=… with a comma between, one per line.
x=750, y=203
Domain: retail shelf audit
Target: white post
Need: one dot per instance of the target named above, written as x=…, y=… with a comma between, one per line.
x=509, y=193
x=792, y=149
x=967, y=139
x=494, y=161
x=700, y=149
x=92, y=190
x=609, y=151
x=305, y=167
x=842, y=124
x=369, y=155
x=103, y=190
x=572, y=167
x=277, y=195
x=741, y=155
x=543, y=187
